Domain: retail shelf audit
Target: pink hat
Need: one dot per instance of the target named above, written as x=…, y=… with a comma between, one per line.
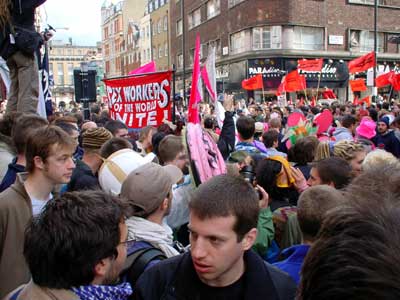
x=366, y=128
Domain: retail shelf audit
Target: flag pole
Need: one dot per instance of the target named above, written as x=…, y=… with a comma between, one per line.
x=319, y=82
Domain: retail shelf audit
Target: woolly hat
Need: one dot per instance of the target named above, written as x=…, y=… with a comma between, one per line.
x=386, y=120
x=94, y=138
x=366, y=128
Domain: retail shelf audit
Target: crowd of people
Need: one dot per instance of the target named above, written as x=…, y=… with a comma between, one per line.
x=273, y=208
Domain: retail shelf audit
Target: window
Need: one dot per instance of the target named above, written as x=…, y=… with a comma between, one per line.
x=60, y=73
x=160, y=51
x=159, y=26
x=155, y=4
x=213, y=8
x=308, y=38
x=240, y=41
x=232, y=3
x=194, y=18
x=165, y=23
x=217, y=45
x=166, y=49
x=261, y=38
x=179, y=59
x=154, y=29
x=179, y=27
x=50, y=68
x=148, y=31
x=70, y=73
x=363, y=41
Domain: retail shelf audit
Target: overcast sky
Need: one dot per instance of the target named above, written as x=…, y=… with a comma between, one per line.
x=82, y=17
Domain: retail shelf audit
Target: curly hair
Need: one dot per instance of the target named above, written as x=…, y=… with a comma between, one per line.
x=347, y=149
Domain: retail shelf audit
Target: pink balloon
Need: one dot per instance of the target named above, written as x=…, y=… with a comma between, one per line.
x=294, y=119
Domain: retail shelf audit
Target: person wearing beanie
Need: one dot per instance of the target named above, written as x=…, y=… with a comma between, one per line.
x=84, y=176
x=385, y=138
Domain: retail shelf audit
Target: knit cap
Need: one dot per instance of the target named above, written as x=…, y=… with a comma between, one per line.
x=386, y=120
x=94, y=138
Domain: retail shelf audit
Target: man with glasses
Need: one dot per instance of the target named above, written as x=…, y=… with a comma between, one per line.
x=76, y=248
x=147, y=192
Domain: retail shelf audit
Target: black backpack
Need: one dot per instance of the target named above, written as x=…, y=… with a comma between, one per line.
x=137, y=261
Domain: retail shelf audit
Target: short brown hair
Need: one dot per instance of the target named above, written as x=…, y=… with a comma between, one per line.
x=23, y=127
x=41, y=140
x=169, y=148
x=313, y=204
x=224, y=196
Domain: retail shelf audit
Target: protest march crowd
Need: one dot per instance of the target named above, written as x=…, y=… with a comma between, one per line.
x=276, y=202
x=234, y=199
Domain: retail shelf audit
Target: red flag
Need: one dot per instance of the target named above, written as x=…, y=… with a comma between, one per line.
x=362, y=63
x=310, y=65
x=395, y=81
x=358, y=85
x=147, y=68
x=295, y=82
x=384, y=79
x=253, y=83
x=281, y=88
x=196, y=91
x=366, y=100
x=328, y=94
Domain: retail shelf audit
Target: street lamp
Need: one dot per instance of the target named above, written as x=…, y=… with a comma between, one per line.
x=375, y=89
x=183, y=51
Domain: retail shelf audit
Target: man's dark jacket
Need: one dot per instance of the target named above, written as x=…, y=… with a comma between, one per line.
x=82, y=178
x=176, y=278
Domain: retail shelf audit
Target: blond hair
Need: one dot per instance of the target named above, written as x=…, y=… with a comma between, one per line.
x=347, y=149
x=378, y=159
x=322, y=151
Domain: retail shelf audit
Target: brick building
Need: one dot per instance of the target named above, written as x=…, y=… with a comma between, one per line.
x=268, y=37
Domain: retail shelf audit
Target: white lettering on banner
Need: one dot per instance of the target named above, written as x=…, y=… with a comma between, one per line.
x=114, y=94
x=164, y=94
x=145, y=92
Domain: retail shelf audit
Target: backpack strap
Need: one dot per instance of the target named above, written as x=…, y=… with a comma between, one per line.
x=136, y=262
x=15, y=295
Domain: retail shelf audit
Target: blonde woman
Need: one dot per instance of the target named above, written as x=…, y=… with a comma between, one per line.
x=352, y=152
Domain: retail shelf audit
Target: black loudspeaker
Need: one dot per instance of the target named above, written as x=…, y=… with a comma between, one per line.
x=85, y=86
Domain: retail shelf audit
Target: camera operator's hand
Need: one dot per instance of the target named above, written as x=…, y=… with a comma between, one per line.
x=264, y=201
x=300, y=181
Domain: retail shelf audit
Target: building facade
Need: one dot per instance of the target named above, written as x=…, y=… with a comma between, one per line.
x=112, y=37
x=159, y=16
x=268, y=37
x=145, y=38
x=63, y=59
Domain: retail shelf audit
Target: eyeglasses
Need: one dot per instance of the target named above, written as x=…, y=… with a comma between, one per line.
x=129, y=243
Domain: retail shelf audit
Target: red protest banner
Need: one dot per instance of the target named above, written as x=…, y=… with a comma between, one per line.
x=362, y=63
x=310, y=65
x=358, y=85
x=140, y=101
x=253, y=83
x=384, y=79
x=295, y=82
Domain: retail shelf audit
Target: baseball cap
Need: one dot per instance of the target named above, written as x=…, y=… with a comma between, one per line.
x=147, y=186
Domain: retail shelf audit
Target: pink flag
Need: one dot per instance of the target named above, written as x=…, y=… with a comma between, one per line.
x=196, y=91
x=208, y=74
x=147, y=68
